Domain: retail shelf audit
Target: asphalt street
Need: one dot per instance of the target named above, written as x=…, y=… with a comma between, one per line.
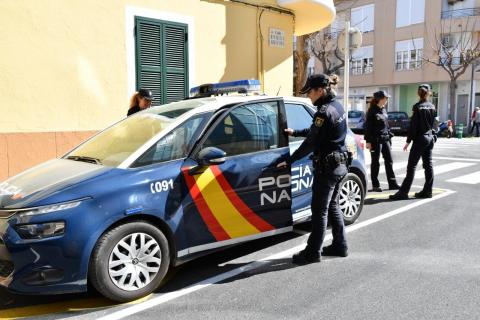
x=411, y=259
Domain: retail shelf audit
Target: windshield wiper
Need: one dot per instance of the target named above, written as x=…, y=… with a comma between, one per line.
x=85, y=159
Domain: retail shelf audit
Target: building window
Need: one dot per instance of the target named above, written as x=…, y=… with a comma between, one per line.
x=362, y=61
x=161, y=59
x=363, y=17
x=410, y=12
x=408, y=54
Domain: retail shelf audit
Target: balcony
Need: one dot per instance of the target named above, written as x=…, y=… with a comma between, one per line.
x=460, y=13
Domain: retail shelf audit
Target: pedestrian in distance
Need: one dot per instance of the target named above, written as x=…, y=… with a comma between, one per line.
x=379, y=140
x=476, y=122
x=326, y=139
x=141, y=100
x=423, y=135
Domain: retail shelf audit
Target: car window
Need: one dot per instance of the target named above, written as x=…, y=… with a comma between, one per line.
x=174, y=145
x=245, y=129
x=298, y=118
x=355, y=114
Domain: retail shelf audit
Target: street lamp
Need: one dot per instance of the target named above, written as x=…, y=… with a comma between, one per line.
x=353, y=41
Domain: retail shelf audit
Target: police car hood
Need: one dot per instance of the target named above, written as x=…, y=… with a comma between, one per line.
x=37, y=183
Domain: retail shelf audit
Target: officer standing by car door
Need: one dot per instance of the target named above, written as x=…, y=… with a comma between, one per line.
x=423, y=135
x=326, y=139
x=378, y=138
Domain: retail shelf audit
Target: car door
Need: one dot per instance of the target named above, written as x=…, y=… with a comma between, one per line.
x=300, y=117
x=247, y=196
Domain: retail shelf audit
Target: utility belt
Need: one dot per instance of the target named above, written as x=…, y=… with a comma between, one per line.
x=331, y=161
x=385, y=137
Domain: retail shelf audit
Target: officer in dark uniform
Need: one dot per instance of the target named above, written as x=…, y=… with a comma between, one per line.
x=326, y=139
x=141, y=100
x=423, y=135
x=378, y=138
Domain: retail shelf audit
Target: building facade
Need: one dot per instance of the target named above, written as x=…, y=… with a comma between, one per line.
x=396, y=34
x=68, y=68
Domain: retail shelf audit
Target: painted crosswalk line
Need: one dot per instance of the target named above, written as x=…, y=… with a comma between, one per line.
x=472, y=178
x=444, y=168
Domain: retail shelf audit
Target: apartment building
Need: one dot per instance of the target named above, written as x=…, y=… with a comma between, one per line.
x=396, y=34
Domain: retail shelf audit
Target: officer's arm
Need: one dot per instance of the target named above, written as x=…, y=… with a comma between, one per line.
x=369, y=135
x=301, y=133
x=413, y=125
x=306, y=147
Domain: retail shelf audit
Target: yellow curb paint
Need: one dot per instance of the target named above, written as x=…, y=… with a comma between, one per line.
x=385, y=195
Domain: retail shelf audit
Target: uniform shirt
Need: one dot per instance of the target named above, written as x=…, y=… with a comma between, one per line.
x=376, y=124
x=133, y=110
x=422, y=120
x=327, y=132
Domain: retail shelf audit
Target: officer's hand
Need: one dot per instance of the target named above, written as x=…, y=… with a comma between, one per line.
x=405, y=147
x=282, y=164
x=369, y=146
x=289, y=131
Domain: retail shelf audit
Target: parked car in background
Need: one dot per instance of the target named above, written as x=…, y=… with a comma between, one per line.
x=356, y=120
x=398, y=122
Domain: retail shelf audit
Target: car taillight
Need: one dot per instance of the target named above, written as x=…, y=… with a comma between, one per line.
x=360, y=142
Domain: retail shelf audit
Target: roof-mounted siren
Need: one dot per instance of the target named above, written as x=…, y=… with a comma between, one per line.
x=221, y=88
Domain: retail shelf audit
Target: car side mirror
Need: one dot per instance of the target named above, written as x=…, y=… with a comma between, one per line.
x=207, y=157
x=211, y=156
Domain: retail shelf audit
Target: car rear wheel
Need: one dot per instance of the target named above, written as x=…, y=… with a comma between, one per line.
x=351, y=197
x=129, y=261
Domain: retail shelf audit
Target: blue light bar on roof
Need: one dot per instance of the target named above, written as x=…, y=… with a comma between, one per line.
x=239, y=86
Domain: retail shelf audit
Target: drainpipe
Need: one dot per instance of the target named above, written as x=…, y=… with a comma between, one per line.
x=260, y=68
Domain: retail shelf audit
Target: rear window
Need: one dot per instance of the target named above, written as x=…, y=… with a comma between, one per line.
x=397, y=116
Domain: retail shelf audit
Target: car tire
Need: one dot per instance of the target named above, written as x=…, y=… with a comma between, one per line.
x=129, y=261
x=351, y=196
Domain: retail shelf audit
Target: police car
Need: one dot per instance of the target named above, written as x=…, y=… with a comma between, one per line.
x=159, y=188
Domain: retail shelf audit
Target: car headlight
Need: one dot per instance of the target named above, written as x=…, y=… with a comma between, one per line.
x=41, y=230
x=50, y=208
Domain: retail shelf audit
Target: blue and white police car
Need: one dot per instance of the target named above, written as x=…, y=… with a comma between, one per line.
x=159, y=188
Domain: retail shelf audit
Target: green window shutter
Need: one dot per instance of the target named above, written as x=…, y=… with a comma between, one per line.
x=161, y=59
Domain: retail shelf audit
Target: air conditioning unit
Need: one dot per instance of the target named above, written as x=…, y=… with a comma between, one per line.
x=447, y=41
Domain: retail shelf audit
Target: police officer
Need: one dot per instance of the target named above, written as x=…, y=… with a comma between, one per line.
x=326, y=139
x=378, y=138
x=423, y=135
x=141, y=100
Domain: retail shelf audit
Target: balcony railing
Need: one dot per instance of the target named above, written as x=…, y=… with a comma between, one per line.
x=468, y=12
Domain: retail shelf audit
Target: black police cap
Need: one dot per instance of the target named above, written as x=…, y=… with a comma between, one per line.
x=315, y=81
x=147, y=94
x=380, y=95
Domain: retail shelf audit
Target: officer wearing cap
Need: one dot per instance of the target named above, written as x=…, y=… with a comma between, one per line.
x=326, y=139
x=423, y=135
x=140, y=100
x=378, y=138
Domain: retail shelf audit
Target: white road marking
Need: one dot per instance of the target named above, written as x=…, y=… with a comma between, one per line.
x=472, y=178
x=442, y=169
x=456, y=159
x=396, y=166
x=126, y=312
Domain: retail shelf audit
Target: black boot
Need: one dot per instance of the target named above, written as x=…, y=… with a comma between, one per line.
x=332, y=250
x=376, y=189
x=399, y=196
x=394, y=186
x=423, y=194
x=303, y=257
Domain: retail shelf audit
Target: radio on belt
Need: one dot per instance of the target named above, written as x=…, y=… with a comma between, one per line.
x=221, y=88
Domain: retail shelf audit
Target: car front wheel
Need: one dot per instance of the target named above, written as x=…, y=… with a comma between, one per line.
x=129, y=261
x=351, y=197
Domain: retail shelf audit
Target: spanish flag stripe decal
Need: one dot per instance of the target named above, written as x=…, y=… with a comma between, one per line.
x=222, y=208
x=242, y=208
x=212, y=224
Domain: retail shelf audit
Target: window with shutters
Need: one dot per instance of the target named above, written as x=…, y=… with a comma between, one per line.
x=162, y=59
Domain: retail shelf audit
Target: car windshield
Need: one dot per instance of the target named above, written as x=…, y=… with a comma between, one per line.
x=355, y=114
x=115, y=144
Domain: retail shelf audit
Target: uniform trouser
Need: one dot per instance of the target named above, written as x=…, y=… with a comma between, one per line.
x=325, y=208
x=382, y=147
x=422, y=148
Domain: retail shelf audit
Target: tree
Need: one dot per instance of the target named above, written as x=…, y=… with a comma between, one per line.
x=454, y=47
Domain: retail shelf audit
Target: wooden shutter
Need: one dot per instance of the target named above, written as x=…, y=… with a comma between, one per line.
x=161, y=57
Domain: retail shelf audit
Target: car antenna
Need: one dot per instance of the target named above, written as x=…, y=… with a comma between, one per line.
x=279, y=90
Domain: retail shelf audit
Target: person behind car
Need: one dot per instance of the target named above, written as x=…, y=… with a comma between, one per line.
x=423, y=135
x=378, y=137
x=141, y=100
x=326, y=139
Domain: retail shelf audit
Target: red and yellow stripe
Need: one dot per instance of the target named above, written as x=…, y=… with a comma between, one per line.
x=222, y=210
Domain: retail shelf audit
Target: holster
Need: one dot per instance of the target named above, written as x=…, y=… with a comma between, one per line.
x=331, y=161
